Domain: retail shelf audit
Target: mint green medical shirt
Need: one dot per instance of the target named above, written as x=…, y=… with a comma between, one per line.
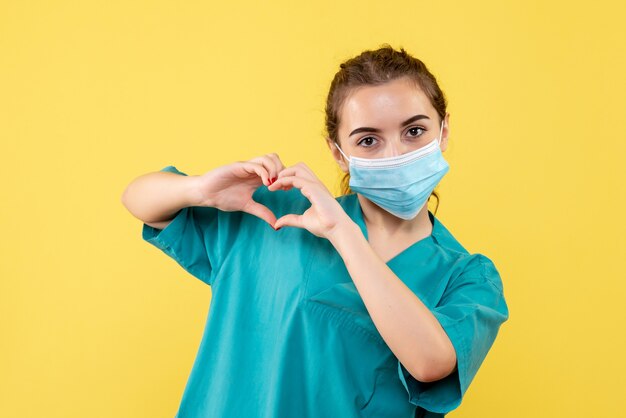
x=287, y=333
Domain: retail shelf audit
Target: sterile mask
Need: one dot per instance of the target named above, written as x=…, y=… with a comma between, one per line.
x=402, y=184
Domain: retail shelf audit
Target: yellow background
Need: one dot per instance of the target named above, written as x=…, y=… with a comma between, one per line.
x=97, y=323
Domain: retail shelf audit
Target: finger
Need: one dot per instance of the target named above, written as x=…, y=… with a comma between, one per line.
x=305, y=168
x=300, y=170
x=290, y=220
x=258, y=169
x=278, y=163
x=289, y=171
x=260, y=211
x=289, y=182
x=269, y=164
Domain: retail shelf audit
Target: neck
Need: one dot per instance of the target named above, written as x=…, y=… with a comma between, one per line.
x=379, y=220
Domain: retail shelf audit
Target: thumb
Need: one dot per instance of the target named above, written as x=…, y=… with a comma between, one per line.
x=260, y=211
x=290, y=220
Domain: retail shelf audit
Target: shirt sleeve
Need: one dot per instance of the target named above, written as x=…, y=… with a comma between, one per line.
x=197, y=238
x=471, y=311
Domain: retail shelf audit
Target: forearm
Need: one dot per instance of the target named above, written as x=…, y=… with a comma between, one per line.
x=408, y=327
x=158, y=196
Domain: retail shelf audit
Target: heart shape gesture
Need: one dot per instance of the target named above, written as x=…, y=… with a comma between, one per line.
x=325, y=217
x=230, y=187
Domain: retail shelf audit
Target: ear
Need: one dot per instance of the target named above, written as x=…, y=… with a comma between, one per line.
x=337, y=155
x=445, y=132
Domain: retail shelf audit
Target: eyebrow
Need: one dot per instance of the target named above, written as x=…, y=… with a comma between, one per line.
x=375, y=130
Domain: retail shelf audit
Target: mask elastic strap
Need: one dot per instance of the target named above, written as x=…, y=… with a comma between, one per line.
x=441, y=133
x=344, y=155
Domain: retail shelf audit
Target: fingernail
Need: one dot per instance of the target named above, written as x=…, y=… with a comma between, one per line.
x=278, y=228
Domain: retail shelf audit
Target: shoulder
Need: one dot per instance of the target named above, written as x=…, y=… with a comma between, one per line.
x=481, y=268
x=468, y=266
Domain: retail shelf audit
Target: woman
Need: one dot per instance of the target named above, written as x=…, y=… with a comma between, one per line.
x=359, y=306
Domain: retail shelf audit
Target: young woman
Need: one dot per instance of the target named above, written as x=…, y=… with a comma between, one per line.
x=363, y=305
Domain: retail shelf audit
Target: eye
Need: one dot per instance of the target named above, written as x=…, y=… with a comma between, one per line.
x=368, y=141
x=415, y=131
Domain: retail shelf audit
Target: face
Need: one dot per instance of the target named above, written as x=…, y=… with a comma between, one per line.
x=386, y=120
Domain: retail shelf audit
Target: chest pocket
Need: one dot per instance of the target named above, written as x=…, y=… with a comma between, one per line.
x=343, y=304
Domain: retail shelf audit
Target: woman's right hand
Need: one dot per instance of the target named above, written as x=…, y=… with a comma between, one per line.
x=230, y=187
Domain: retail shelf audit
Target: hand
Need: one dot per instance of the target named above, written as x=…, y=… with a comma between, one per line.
x=230, y=187
x=325, y=213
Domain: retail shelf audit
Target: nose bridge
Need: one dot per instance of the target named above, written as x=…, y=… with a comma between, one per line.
x=395, y=148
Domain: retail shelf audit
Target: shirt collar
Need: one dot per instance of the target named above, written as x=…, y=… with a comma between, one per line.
x=352, y=207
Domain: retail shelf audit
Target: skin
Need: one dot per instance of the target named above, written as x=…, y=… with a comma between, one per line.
x=408, y=327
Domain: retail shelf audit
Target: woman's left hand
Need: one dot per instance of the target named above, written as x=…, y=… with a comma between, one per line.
x=325, y=214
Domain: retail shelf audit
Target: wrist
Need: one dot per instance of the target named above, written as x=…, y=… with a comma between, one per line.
x=343, y=232
x=193, y=194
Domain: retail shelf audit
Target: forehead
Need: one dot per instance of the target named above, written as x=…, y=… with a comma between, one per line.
x=383, y=105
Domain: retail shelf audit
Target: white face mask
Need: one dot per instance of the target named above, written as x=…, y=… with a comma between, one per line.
x=401, y=185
